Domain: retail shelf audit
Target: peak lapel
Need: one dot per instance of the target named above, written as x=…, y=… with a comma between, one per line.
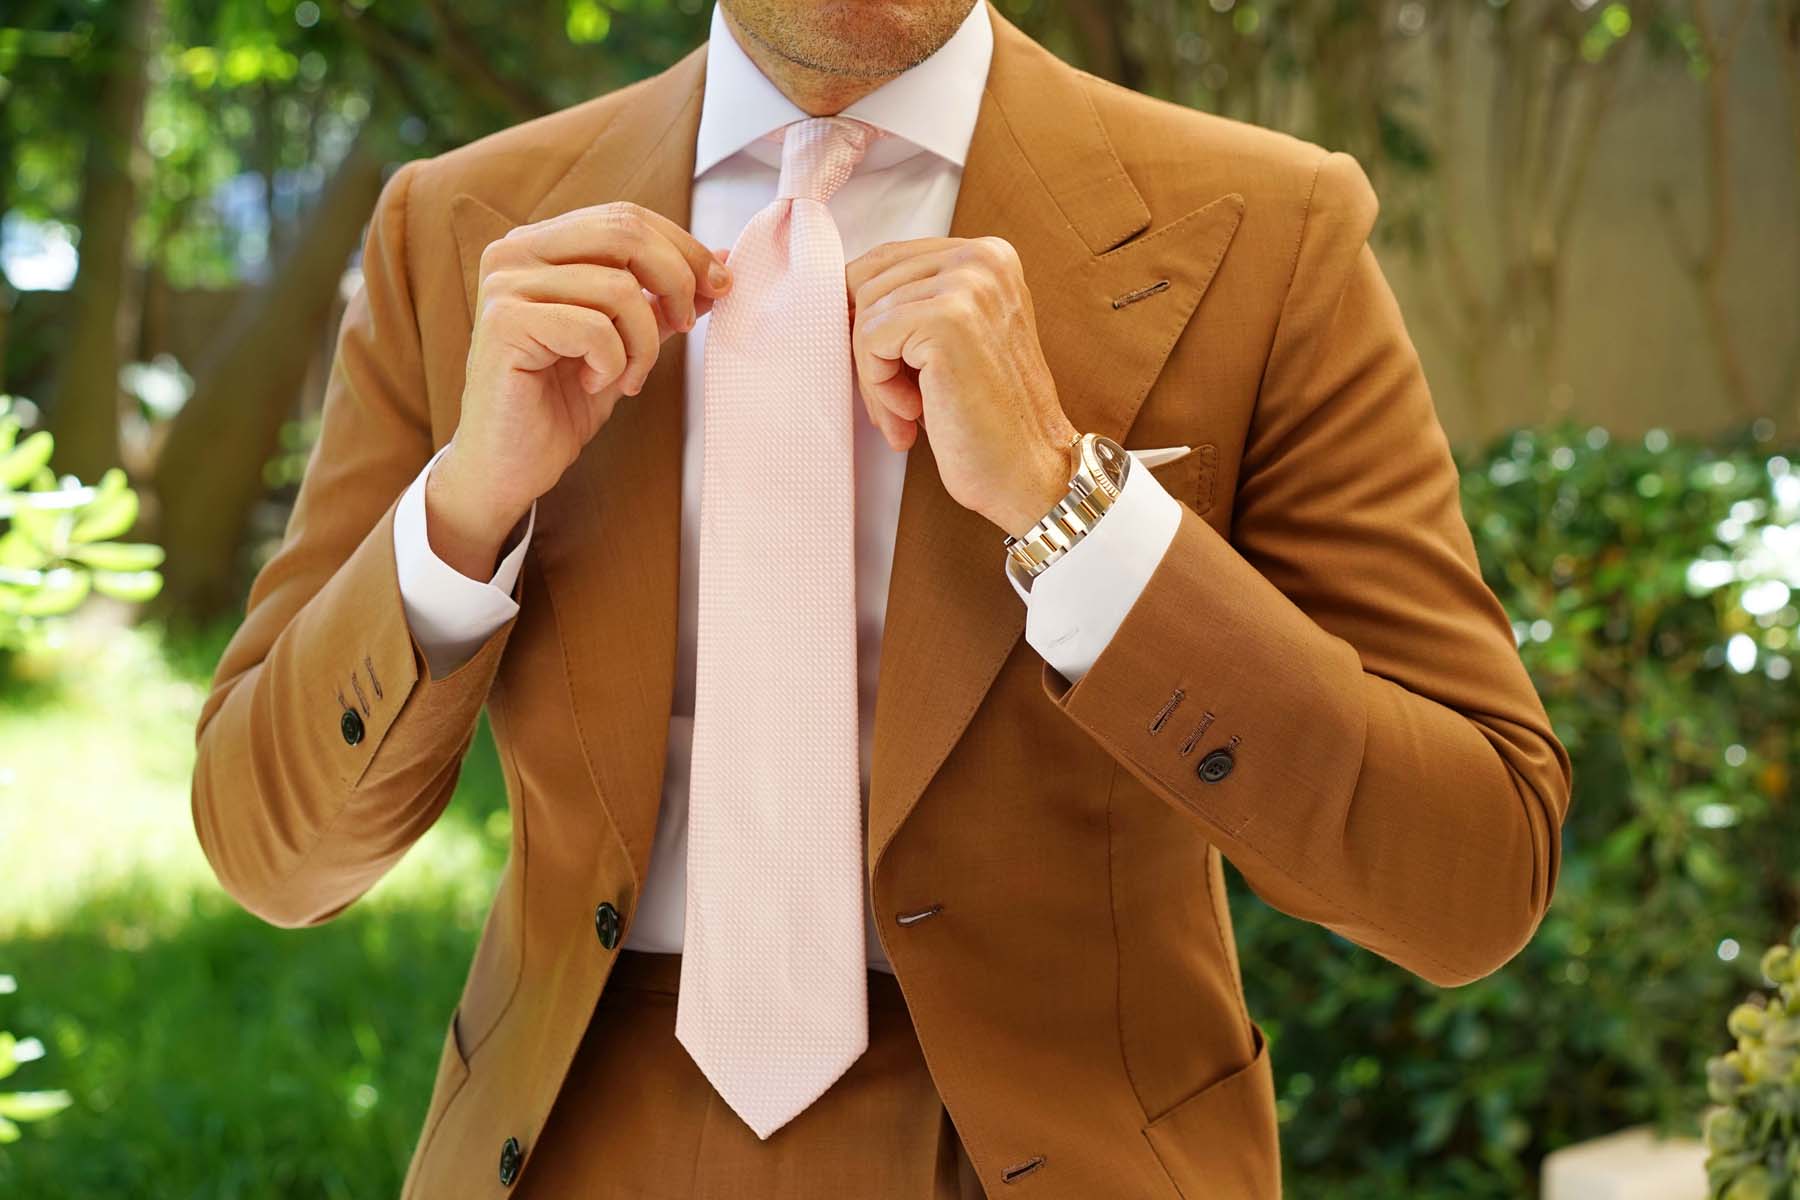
x=608, y=535
x=1043, y=174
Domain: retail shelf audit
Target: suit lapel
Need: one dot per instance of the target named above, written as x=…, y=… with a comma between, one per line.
x=1041, y=173
x=607, y=540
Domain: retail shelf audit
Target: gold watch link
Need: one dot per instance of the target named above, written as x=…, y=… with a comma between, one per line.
x=1098, y=476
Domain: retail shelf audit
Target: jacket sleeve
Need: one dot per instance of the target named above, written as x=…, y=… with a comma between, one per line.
x=325, y=748
x=1351, y=722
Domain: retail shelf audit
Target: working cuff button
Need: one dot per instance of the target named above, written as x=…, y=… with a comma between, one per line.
x=607, y=924
x=351, y=726
x=1215, y=766
x=510, y=1158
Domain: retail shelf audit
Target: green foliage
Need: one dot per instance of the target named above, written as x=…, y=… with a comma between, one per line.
x=1651, y=588
x=1753, y=1131
x=56, y=538
x=16, y=1107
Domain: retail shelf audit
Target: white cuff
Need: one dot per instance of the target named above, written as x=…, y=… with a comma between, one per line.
x=1079, y=601
x=450, y=615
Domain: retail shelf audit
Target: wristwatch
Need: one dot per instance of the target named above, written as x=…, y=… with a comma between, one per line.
x=1100, y=467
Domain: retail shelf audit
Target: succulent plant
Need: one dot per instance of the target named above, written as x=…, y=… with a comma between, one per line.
x=56, y=537
x=1753, y=1131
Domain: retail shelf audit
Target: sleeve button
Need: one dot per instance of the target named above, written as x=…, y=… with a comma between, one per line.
x=1215, y=766
x=607, y=924
x=511, y=1157
x=351, y=726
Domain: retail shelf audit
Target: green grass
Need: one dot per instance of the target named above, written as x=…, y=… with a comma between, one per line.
x=208, y=1054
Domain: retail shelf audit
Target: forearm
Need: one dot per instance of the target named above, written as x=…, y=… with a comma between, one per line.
x=1422, y=828
x=299, y=807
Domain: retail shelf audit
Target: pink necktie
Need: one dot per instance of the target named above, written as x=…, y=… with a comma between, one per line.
x=773, y=1005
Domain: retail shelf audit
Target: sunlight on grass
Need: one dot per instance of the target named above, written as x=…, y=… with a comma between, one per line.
x=94, y=770
x=207, y=1054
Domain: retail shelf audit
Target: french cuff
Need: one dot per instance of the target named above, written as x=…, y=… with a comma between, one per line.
x=449, y=614
x=1076, y=604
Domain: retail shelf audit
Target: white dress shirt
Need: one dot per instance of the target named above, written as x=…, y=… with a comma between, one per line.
x=905, y=187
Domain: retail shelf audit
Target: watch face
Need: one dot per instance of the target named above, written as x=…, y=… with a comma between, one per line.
x=1111, y=459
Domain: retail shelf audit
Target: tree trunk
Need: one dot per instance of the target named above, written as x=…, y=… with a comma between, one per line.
x=85, y=413
x=209, y=476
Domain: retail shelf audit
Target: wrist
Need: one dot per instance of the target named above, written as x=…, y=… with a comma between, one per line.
x=466, y=524
x=1044, y=482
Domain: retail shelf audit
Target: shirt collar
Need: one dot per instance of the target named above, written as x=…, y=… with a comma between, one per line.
x=931, y=106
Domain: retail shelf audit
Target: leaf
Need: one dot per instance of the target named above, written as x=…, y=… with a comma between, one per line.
x=62, y=592
x=21, y=553
x=135, y=587
x=118, y=556
x=8, y=1063
x=32, y=1106
x=8, y=1131
x=113, y=511
x=26, y=459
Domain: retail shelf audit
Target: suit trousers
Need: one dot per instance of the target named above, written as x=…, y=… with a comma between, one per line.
x=636, y=1118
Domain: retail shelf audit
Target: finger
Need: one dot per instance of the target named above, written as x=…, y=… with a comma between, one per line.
x=710, y=273
x=901, y=333
x=665, y=258
x=899, y=432
x=890, y=392
x=541, y=334
x=613, y=290
x=935, y=265
x=877, y=259
x=912, y=291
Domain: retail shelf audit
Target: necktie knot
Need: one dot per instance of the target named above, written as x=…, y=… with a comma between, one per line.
x=819, y=153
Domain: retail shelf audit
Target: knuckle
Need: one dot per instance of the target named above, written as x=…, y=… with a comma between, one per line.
x=970, y=281
x=500, y=253
x=626, y=216
x=501, y=308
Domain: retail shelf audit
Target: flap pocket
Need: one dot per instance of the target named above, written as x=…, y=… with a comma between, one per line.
x=1221, y=1142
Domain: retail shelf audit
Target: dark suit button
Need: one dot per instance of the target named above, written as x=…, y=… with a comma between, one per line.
x=1215, y=766
x=510, y=1158
x=351, y=726
x=607, y=924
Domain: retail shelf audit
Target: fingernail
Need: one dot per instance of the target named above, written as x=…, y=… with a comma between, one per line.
x=717, y=275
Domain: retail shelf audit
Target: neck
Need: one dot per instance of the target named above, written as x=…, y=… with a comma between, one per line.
x=816, y=93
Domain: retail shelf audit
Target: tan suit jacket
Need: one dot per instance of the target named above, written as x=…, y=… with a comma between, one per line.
x=1318, y=634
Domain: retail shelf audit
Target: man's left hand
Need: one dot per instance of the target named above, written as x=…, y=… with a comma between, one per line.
x=944, y=338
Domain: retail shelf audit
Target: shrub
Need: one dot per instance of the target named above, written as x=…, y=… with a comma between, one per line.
x=1753, y=1133
x=1651, y=585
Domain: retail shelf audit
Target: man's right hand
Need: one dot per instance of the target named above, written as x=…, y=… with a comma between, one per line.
x=570, y=315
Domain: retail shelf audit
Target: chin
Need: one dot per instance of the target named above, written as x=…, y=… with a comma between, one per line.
x=867, y=38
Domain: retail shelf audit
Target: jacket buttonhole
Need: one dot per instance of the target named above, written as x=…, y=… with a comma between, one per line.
x=1162, y=714
x=1015, y=1173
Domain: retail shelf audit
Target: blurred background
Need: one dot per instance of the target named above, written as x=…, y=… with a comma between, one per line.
x=1591, y=214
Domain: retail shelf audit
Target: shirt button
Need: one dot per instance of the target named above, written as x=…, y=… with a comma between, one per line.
x=351, y=726
x=1215, y=766
x=607, y=924
x=510, y=1158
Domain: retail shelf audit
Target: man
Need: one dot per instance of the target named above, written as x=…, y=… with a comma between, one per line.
x=873, y=724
